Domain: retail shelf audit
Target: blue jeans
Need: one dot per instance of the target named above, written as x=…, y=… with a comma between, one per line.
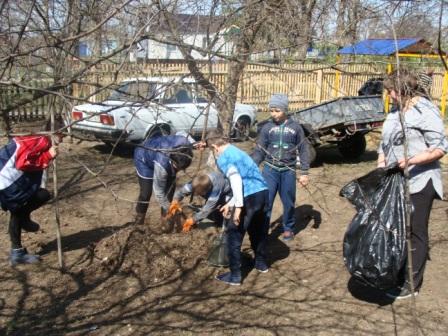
x=254, y=220
x=283, y=182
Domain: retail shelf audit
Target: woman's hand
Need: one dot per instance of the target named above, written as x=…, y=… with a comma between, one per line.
x=402, y=163
x=429, y=155
x=381, y=162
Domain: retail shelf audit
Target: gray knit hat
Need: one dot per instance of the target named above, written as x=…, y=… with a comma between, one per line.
x=280, y=101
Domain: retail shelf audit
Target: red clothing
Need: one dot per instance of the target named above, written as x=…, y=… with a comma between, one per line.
x=33, y=152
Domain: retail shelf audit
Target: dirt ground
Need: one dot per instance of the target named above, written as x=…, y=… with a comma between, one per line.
x=125, y=280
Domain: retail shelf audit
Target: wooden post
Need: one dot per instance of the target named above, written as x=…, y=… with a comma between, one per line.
x=387, y=98
x=444, y=93
x=318, y=95
x=56, y=197
x=337, y=80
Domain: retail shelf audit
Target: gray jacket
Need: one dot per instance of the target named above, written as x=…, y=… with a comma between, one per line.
x=424, y=130
x=216, y=197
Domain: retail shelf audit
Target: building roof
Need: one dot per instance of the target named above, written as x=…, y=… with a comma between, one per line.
x=388, y=47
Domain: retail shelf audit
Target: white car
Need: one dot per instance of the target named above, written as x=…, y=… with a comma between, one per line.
x=141, y=107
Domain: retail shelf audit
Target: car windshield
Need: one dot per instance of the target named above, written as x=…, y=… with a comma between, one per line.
x=134, y=92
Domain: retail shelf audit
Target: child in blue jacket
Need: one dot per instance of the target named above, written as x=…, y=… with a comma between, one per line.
x=157, y=162
x=248, y=206
x=278, y=143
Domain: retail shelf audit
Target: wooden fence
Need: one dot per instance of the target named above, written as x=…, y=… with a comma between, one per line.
x=37, y=109
x=305, y=84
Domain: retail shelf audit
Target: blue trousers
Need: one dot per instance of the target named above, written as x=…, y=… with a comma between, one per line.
x=283, y=182
x=255, y=221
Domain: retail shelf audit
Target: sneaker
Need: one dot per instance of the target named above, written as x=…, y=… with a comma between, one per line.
x=21, y=256
x=261, y=267
x=288, y=236
x=229, y=279
x=400, y=293
x=30, y=226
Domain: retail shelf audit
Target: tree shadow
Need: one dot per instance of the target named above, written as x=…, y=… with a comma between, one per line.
x=277, y=248
x=304, y=215
x=366, y=293
x=82, y=239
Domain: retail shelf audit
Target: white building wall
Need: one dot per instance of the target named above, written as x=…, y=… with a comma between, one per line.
x=157, y=50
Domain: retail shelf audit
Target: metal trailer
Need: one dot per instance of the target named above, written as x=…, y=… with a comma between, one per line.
x=343, y=121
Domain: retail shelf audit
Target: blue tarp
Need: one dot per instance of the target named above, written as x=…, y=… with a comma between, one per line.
x=378, y=47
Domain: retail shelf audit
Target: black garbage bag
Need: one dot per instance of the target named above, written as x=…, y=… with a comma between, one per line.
x=375, y=241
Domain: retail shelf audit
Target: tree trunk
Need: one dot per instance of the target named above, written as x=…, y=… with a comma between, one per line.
x=304, y=25
x=341, y=29
x=243, y=49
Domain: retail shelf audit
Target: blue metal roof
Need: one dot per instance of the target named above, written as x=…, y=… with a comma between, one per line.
x=379, y=47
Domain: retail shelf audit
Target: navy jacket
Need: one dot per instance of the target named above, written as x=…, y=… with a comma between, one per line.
x=278, y=145
x=153, y=162
x=156, y=150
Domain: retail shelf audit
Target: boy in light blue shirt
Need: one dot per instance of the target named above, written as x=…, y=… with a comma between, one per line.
x=248, y=206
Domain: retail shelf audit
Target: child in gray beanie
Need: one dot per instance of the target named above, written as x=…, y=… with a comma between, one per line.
x=280, y=101
x=278, y=143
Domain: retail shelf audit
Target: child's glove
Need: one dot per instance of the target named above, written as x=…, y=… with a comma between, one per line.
x=174, y=208
x=187, y=224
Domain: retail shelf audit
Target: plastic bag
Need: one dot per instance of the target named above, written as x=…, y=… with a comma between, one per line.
x=375, y=241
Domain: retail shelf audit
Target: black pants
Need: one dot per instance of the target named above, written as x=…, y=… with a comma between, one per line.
x=254, y=220
x=19, y=215
x=422, y=203
x=146, y=191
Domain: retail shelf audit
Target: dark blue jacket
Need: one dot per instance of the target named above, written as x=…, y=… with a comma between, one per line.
x=157, y=149
x=278, y=145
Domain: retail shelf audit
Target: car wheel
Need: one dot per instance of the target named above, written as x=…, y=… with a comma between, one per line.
x=353, y=147
x=241, y=129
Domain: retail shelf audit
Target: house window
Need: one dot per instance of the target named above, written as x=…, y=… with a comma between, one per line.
x=108, y=46
x=82, y=49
